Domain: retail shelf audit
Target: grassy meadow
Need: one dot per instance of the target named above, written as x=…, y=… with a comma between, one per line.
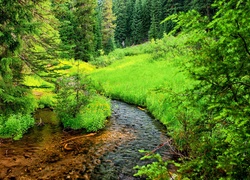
x=145, y=76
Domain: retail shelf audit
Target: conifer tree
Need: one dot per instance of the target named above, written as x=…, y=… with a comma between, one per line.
x=64, y=13
x=108, y=26
x=15, y=23
x=97, y=31
x=154, y=31
x=146, y=18
x=41, y=49
x=121, y=23
x=137, y=26
x=130, y=6
x=84, y=29
x=203, y=7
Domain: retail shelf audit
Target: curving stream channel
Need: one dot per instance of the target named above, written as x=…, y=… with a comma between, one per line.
x=49, y=152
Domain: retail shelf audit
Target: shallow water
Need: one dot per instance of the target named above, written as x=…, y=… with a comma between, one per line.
x=49, y=152
x=148, y=134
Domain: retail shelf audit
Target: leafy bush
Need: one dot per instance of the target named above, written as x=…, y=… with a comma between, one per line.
x=156, y=170
x=106, y=60
x=119, y=54
x=71, y=97
x=218, y=142
x=47, y=100
x=168, y=48
x=15, y=126
x=78, y=105
x=94, y=114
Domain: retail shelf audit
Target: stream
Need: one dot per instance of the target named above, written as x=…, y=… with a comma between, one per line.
x=50, y=152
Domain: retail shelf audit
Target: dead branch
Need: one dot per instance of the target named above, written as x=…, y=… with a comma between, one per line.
x=78, y=137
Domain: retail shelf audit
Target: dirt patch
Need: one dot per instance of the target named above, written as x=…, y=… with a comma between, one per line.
x=72, y=157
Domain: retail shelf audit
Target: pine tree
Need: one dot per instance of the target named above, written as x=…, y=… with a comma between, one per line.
x=15, y=23
x=121, y=23
x=63, y=12
x=154, y=31
x=129, y=19
x=41, y=49
x=97, y=31
x=203, y=7
x=108, y=26
x=146, y=18
x=84, y=29
x=137, y=26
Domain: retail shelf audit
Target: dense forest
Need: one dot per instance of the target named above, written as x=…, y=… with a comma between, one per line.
x=208, y=42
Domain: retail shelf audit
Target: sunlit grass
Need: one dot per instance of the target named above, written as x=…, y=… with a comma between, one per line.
x=73, y=67
x=142, y=80
x=36, y=81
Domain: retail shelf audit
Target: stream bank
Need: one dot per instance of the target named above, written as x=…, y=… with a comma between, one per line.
x=49, y=152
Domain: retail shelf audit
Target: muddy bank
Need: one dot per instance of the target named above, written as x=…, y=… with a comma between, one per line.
x=48, y=152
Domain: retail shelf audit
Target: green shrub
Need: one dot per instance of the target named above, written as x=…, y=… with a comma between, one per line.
x=155, y=170
x=95, y=113
x=71, y=97
x=79, y=106
x=15, y=126
x=47, y=100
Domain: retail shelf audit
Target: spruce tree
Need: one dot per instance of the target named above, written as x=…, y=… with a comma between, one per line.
x=121, y=23
x=203, y=7
x=84, y=29
x=15, y=23
x=137, y=26
x=108, y=26
x=97, y=31
x=130, y=6
x=154, y=31
x=146, y=18
x=64, y=13
x=41, y=49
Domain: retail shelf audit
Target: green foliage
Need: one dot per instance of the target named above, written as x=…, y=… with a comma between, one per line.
x=168, y=48
x=93, y=115
x=154, y=31
x=156, y=170
x=47, y=100
x=84, y=29
x=108, y=26
x=137, y=28
x=16, y=23
x=79, y=106
x=35, y=81
x=97, y=32
x=121, y=22
x=206, y=107
x=140, y=20
x=40, y=49
x=15, y=125
x=134, y=77
x=64, y=14
x=71, y=97
x=219, y=52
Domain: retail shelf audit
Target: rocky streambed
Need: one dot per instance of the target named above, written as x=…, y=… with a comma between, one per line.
x=49, y=152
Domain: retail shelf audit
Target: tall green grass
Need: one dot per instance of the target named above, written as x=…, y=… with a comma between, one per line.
x=147, y=79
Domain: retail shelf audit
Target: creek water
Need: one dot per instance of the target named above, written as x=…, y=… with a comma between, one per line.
x=49, y=152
